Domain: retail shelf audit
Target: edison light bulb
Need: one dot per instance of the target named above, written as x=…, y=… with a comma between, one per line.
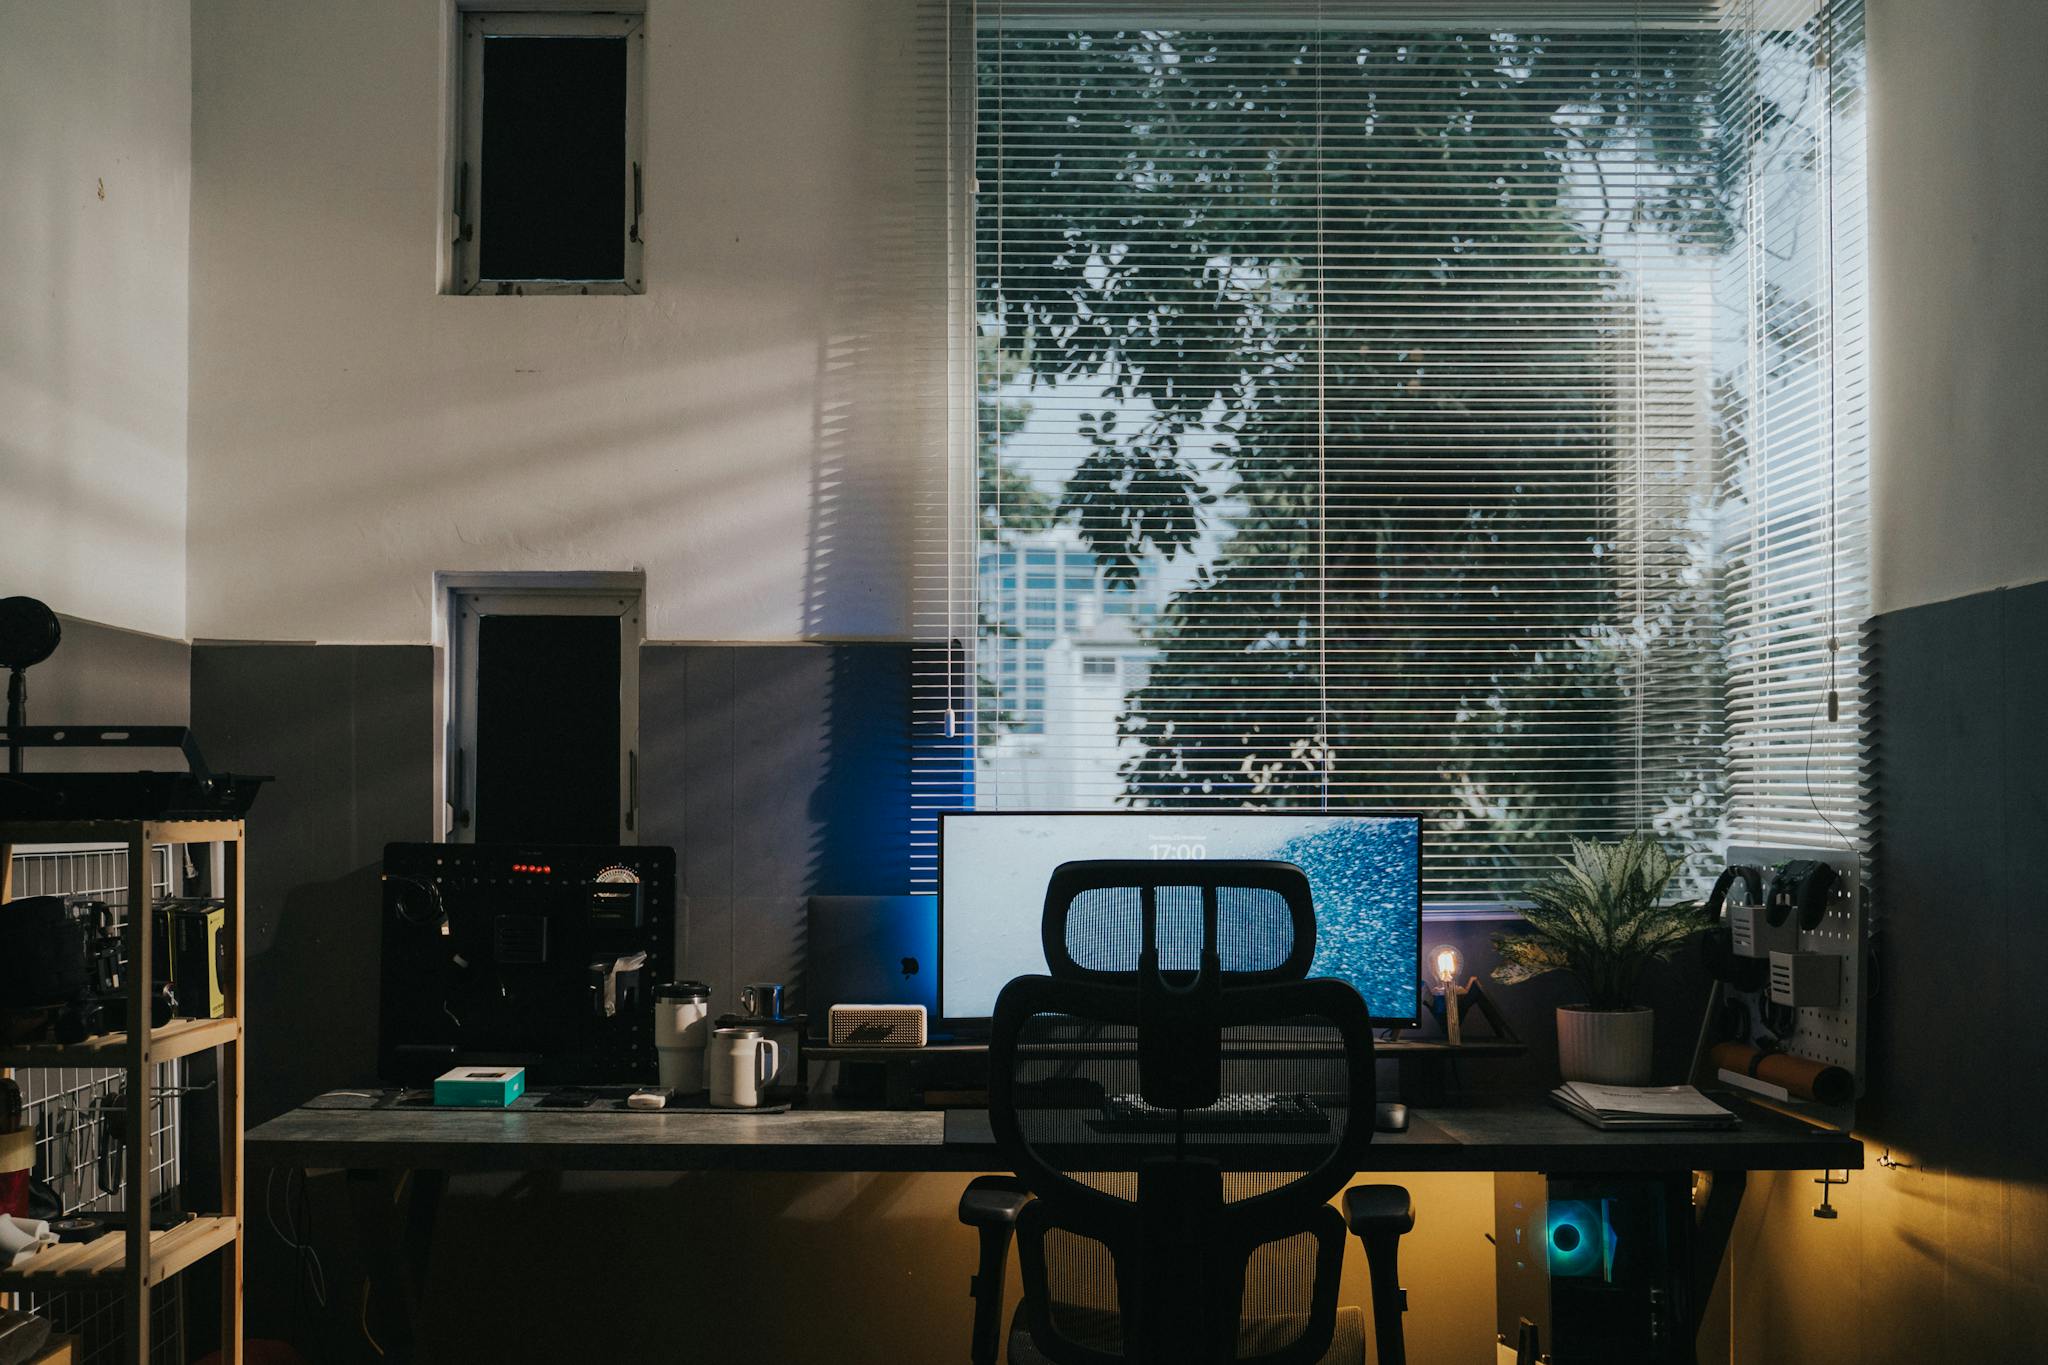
x=1447, y=962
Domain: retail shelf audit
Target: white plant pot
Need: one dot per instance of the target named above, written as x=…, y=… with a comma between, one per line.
x=1605, y=1047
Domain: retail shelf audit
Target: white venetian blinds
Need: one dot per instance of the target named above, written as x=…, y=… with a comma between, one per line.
x=1792, y=342
x=1409, y=406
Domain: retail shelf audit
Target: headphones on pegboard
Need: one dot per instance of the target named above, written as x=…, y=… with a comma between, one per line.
x=1717, y=945
x=1805, y=886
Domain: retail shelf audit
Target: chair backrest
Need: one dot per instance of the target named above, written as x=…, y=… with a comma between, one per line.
x=1184, y=1105
x=1101, y=916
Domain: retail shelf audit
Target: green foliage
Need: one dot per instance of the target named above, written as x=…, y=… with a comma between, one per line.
x=1599, y=919
x=1190, y=296
x=1009, y=500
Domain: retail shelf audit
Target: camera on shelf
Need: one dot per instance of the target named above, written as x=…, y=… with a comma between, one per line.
x=63, y=972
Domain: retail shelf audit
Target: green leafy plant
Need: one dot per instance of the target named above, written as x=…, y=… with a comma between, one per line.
x=1599, y=919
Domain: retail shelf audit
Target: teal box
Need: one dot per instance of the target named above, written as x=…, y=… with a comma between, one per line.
x=480, y=1087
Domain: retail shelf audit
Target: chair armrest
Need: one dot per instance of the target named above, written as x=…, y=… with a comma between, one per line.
x=1382, y=1210
x=993, y=1201
x=1379, y=1216
x=990, y=1205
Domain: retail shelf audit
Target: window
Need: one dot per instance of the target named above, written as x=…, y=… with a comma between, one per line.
x=549, y=192
x=1098, y=666
x=1468, y=403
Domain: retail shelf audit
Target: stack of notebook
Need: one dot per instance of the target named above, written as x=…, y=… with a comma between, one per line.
x=1641, y=1106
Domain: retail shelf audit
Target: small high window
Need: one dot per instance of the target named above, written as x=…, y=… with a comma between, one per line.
x=548, y=189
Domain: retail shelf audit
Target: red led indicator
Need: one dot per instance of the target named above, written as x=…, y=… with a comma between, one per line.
x=539, y=869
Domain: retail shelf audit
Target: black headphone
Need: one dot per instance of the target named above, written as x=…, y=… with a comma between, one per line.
x=1717, y=945
x=1803, y=886
x=1752, y=879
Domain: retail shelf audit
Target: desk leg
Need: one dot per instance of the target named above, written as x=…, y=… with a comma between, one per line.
x=1716, y=1221
x=394, y=1216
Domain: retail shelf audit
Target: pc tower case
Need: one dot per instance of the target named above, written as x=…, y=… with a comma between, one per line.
x=1588, y=1269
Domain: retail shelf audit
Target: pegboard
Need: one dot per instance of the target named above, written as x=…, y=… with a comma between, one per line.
x=1835, y=1037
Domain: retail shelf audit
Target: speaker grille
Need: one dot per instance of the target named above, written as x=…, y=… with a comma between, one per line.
x=876, y=1026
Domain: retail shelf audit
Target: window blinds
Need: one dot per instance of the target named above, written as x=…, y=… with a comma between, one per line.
x=1792, y=345
x=1440, y=406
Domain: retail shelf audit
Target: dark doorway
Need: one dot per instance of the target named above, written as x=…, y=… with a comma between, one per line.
x=547, y=729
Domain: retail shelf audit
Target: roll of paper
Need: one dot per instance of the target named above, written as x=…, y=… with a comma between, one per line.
x=1800, y=1078
x=21, y=1238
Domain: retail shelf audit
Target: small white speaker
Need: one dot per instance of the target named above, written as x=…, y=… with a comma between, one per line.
x=875, y=1025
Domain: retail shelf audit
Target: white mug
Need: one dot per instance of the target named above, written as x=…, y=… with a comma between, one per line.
x=682, y=1025
x=742, y=1062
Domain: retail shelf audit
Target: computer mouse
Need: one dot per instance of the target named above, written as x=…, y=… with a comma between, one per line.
x=1391, y=1117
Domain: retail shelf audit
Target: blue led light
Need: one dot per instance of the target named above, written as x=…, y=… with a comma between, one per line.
x=1576, y=1238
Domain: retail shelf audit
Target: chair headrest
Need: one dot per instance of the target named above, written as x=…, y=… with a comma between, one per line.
x=1105, y=918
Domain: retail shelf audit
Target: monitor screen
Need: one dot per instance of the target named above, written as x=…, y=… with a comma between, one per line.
x=1365, y=872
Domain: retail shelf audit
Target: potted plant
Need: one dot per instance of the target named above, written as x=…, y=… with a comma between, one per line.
x=1598, y=918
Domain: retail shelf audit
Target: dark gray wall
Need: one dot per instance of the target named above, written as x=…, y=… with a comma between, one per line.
x=347, y=733
x=777, y=772
x=1960, y=768
x=773, y=770
x=1939, y=1255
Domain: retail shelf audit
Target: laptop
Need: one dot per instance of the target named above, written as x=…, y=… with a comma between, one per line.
x=871, y=950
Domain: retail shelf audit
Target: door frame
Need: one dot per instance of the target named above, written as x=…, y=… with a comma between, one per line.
x=463, y=600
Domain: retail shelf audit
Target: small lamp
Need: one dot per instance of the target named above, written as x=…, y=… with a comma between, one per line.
x=1445, y=963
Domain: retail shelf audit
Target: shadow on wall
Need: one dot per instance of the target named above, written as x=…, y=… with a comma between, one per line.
x=680, y=430
x=716, y=1266
x=777, y=772
x=880, y=434
x=315, y=981
x=347, y=732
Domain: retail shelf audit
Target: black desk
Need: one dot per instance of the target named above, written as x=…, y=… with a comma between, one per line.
x=1528, y=1136
x=347, y=1133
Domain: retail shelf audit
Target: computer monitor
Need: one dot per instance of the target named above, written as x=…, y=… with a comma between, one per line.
x=1365, y=872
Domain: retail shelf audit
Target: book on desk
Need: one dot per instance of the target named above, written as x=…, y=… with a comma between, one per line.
x=1614, y=1108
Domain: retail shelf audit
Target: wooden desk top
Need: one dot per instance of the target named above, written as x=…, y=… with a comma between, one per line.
x=1525, y=1135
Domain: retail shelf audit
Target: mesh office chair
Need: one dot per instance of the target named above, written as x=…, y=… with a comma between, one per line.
x=1183, y=1104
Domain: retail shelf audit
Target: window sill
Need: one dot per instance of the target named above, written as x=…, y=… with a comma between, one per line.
x=505, y=289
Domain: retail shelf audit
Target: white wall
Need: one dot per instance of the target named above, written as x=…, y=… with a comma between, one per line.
x=1959, y=226
x=742, y=431
x=95, y=207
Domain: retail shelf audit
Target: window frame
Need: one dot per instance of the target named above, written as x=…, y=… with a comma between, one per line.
x=467, y=194
x=951, y=757
x=467, y=602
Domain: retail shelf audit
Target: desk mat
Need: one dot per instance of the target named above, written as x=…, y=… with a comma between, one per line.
x=603, y=1099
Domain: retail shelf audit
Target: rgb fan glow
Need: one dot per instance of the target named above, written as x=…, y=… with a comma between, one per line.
x=1579, y=1239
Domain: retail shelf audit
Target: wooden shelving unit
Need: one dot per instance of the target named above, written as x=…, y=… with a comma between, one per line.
x=103, y=1263
x=137, y=1259
x=179, y=1038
